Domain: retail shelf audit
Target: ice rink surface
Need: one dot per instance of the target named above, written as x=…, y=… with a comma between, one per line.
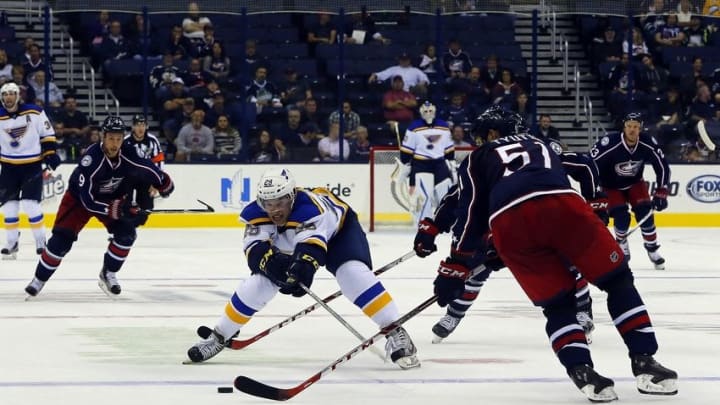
x=73, y=345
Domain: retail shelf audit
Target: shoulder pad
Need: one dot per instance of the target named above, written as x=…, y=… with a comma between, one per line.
x=305, y=208
x=252, y=214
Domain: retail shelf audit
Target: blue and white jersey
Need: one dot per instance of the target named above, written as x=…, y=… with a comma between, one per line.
x=26, y=135
x=620, y=166
x=316, y=217
x=427, y=142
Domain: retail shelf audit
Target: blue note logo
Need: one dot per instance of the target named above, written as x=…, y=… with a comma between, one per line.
x=705, y=188
x=235, y=192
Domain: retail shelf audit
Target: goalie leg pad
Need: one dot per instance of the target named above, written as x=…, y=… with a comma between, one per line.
x=422, y=205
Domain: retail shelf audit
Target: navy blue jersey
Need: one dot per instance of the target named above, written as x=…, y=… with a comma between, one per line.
x=582, y=169
x=499, y=175
x=621, y=166
x=97, y=180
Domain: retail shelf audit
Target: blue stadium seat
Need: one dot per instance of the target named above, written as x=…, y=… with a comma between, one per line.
x=7, y=34
x=304, y=67
x=124, y=67
x=298, y=50
x=679, y=69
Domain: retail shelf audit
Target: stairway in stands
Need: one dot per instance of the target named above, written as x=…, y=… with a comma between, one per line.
x=551, y=100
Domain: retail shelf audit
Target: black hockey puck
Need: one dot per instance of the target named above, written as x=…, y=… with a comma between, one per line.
x=225, y=390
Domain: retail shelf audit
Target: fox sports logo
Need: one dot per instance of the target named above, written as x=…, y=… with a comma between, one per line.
x=705, y=188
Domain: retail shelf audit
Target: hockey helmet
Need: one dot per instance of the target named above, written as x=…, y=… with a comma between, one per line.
x=113, y=123
x=427, y=112
x=139, y=119
x=633, y=116
x=10, y=88
x=276, y=184
x=497, y=118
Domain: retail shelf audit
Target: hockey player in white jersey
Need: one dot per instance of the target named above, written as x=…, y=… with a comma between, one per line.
x=427, y=154
x=27, y=140
x=289, y=233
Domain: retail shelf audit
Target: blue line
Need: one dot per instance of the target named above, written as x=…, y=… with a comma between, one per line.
x=360, y=381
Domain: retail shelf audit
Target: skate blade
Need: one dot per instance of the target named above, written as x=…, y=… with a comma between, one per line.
x=107, y=292
x=606, y=395
x=660, y=266
x=437, y=339
x=645, y=385
x=12, y=256
x=408, y=362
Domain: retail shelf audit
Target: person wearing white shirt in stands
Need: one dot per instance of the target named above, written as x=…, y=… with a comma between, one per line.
x=329, y=147
x=415, y=80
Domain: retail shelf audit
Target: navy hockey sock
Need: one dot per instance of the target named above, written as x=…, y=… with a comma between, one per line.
x=567, y=337
x=56, y=248
x=458, y=307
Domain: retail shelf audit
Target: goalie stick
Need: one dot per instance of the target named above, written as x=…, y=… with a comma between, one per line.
x=207, y=208
x=704, y=136
x=258, y=389
x=237, y=344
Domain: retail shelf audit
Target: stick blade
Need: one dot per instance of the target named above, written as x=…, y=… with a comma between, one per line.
x=258, y=389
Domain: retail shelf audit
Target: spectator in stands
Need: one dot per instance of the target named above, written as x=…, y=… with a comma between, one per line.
x=478, y=95
x=99, y=28
x=321, y=32
x=491, y=71
x=264, y=149
x=685, y=11
x=652, y=20
x=27, y=44
x=135, y=31
x=688, y=87
x=654, y=79
x=205, y=47
x=351, y=120
x=290, y=128
x=162, y=75
x=398, y=104
x=638, y=44
x=252, y=58
x=609, y=49
x=178, y=45
x=696, y=33
x=362, y=29
x=456, y=63
x=414, y=79
x=196, y=78
x=670, y=35
x=217, y=109
x=27, y=94
x=194, y=138
x=55, y=99
x=711, y=8
x=329, y=146
x=115, y=45
x=217, y=65
x=227, y=139
x=62, y=148
x=311, y=113
x=703, y=107
x=211, y=90
x=293, y=90
x=262, y=92
x=177, y=109
x=75, y=121
x=5, y=68
x=544, y=128
x=521, y=106
x=36, y=63
x=194, y=24
x=92, y=138
x=457, y=112
x=360, y=146
x=619, y=83
x=307, y=136
x=507, y=89
x=666, y=120
x=458, y=136
x=428, y=62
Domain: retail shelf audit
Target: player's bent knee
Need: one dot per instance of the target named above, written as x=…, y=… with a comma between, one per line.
x=619, y=279
x=125, y=239
x=560, y=304
x=619, y=211
x=641, y=210
x=61, y=242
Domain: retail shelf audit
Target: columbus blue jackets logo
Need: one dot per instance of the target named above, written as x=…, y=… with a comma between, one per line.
x=629, y=169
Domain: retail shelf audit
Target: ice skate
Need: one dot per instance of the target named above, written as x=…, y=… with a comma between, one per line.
x=34, y=287
x=445, y=326
x=40, y=246
x=401, y=350
x=596, y=387
x=9, y=252
x=625, y=246
x=652, y=378
x=206, y=348
x=655, y=257
x=585, y=320
x=108, y=283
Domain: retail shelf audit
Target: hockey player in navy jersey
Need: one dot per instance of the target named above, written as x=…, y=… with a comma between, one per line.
x=578, y=166
x=517, y=188
x=621, y=158
x=289, y=233
x=98, y=188
x=27, y=140
x=427, y=153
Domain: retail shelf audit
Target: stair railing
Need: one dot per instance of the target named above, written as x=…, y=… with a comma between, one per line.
x=553, y=37
x=92, y=103
x=110, y=96
x=566, y=63
x=70, y=63
x=576, y=75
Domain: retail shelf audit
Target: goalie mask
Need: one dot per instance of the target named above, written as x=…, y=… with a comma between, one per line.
x=6, y=95
x=276, y=190
x=427, y=112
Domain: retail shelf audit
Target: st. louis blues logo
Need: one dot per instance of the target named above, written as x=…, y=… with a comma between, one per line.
x=16, y=134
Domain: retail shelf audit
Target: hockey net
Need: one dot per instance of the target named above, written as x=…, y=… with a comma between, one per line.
x=389, y=199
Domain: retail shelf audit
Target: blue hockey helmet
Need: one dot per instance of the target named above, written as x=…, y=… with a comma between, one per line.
x=497, y=118
x=633, y=116
x=113, y=123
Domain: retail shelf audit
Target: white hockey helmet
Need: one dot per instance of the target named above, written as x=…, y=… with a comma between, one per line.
x=274, y=185
x=427, y=112
x=10, y=88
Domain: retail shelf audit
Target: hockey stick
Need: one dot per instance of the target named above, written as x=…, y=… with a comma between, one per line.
x=704, y=136
x=640, y=223
x=237, y=344
x=258, y=389
x=207, y=208
x=340, y=319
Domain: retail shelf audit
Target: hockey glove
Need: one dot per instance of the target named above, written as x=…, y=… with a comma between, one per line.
x=600, y=206
x=167, y=186
x=274, y=265
x=302, y=270
x=52, y=161
x=134, y=215
x=450, y=281
x=424, y=243
x=659, y=200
